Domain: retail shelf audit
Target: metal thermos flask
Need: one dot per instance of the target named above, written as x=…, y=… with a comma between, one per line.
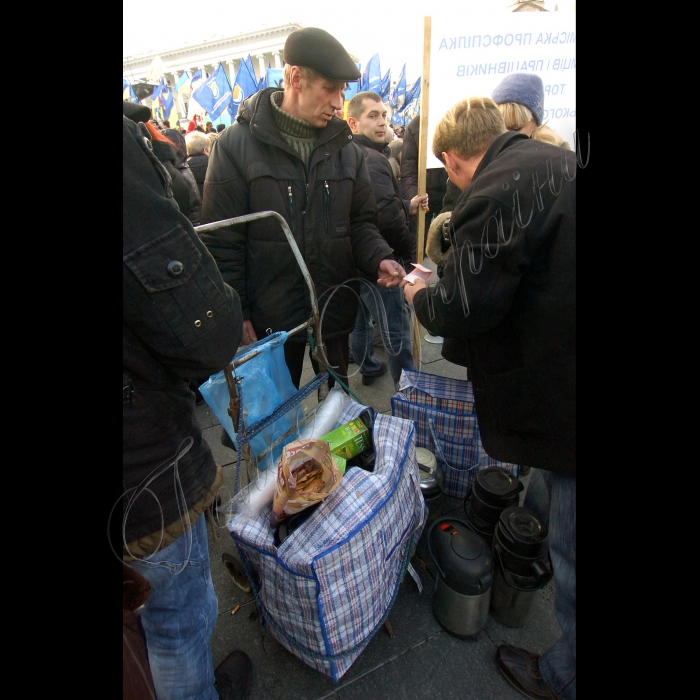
x=464, y=577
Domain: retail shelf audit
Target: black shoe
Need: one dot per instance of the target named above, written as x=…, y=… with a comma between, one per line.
x=233, y=676
x=521, y=669
x=368, y=379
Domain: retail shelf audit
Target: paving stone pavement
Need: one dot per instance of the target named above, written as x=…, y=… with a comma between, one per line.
x=421, y=661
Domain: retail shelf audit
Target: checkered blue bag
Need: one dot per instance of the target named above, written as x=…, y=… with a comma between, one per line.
x=329, y=586
x=446, y=424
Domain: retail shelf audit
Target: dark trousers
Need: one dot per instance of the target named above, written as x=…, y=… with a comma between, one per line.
x=337, y=354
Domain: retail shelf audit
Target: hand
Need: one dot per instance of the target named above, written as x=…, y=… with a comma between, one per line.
x=248, y=333
x=409, y=290
x=390, y=273
x=419, y=199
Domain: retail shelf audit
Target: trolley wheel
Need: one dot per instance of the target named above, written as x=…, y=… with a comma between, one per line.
x=236, y=571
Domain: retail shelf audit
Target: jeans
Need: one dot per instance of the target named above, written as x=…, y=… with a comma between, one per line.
x=179, y=617
x=398, y=339
x=552, y=498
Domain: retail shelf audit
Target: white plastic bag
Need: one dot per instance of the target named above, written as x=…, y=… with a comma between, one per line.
x=252, y=498
x=327, y=416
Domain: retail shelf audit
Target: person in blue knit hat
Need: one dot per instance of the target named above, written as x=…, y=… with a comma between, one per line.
x=520, y=97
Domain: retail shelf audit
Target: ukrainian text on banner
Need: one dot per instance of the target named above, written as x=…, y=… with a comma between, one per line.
x=470, y=55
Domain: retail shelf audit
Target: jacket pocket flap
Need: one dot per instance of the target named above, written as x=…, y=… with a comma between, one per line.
x=166, y=262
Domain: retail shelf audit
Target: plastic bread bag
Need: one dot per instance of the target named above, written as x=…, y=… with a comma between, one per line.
x=306, y=474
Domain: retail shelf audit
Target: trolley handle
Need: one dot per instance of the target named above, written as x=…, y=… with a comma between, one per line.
x=290, y=239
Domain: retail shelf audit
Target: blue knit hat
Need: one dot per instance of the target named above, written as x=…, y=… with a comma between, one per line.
x=524, y=89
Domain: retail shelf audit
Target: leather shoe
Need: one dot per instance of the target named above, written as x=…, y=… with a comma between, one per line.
x=521, y=669
x=233, y=676
x=368, y=379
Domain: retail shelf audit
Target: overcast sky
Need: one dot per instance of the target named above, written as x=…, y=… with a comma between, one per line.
x=363, y=28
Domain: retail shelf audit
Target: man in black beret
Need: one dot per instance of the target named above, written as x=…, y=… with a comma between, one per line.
x=288, y=152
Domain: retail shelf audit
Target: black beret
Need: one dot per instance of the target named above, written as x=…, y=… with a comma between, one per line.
x=315, y=48
x=136, y=112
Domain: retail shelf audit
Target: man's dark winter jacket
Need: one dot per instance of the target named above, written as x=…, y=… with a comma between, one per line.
x=508, y=295
x=435, y=178
x=179, y=320
x=329, y=207
x=198, y=165
x=392, y=210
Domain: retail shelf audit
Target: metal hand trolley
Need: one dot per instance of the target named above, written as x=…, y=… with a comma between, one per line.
x=246, y=433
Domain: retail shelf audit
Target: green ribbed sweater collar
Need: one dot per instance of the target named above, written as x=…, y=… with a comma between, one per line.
x=289, y=125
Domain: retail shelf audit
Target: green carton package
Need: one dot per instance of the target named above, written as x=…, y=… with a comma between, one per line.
x=348, y=440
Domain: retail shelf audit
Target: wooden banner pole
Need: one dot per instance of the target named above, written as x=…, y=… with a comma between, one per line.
x=422, y=160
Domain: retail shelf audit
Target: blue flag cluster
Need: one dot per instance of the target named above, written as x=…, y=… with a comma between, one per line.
x=410, y=106
x=215, y=93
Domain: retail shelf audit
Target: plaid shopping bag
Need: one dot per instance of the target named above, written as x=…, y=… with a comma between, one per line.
x=443, y=411
x=326, y=590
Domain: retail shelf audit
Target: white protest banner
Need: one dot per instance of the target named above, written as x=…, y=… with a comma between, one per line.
x=470, y=54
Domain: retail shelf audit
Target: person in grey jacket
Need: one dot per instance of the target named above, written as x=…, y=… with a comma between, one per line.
x=179, y=320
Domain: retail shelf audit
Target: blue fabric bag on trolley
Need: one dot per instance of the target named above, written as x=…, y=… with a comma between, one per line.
x=265, y=385
x=443, y=410
x=328, y=587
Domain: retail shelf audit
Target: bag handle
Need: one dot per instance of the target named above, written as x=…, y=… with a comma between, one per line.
x=441, y=454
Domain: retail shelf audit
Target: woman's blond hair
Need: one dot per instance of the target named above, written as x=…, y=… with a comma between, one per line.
x=468, y=128
x=516, y=116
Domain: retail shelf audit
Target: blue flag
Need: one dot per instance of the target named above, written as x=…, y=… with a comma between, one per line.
x=128, y=93
x=125, y=84
x=411, y=96
x=214, y=94
x=385, y=86
x=244, y=86
x=158, y=89
x=197, y=75
x=398, y=119
x=399, y=89
x=274, y=78
x=182, y=80
x=166, y=101
x=371, y=79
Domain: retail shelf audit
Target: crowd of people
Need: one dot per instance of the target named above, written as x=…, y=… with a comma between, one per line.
x=348, y=188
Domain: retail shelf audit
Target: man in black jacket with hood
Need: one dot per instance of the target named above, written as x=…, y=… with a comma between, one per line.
x=367, y=119
x=508, y=297
x=288, y=152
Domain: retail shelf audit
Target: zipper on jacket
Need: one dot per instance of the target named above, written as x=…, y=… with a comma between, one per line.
x=291, y=206
x=328, y=207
